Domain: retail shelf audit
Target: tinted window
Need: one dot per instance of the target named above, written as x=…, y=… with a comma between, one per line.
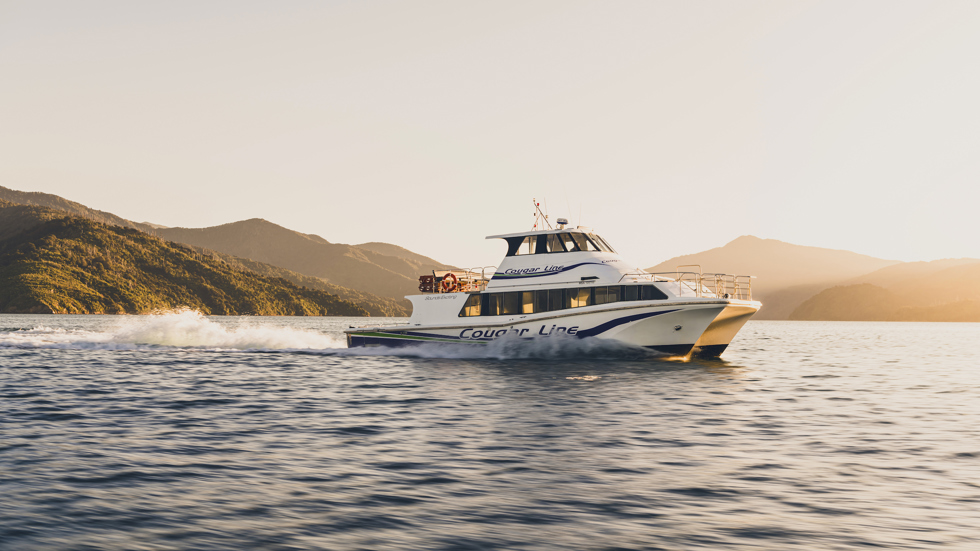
x=511, y=303
x=555, y=244
x=605, y=295
x=652, y=293
x=597, y=243
x=592, y=244
x=493, y=306
x=603, y=244
x=631, y=292
x=549, y=300
x=526, y=246
x=581, y=242
x=555, y=299
x=527, y=302
x=600, y=295
x=575, y=298
x=614, y=294
x=472, y=306
x=541, y=301
x=569, y=243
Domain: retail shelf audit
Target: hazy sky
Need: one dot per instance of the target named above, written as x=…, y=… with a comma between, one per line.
x=672, y=127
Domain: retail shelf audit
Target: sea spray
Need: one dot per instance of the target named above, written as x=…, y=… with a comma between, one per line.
x=177, y=329
x=189, y=328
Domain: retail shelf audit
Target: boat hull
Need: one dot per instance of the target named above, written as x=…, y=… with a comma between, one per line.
x=669, y=328
x=723, y=329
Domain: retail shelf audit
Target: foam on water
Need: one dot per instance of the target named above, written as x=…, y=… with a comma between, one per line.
x=179, y=329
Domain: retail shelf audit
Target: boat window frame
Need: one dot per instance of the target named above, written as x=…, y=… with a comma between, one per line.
x=554, y=237
x=566, y=238
x=467, y=305
x=583, y=242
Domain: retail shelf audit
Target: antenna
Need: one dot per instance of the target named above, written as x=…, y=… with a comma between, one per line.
x=540, y=216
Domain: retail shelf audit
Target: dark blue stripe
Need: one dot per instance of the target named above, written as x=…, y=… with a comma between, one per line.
x=536, y=274
x=603, y=327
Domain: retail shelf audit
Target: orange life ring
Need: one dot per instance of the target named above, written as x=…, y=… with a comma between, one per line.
x=449, y=283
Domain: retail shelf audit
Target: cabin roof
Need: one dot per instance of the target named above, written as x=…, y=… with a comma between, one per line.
x=579, y=229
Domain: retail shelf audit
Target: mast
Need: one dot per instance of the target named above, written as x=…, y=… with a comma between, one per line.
x=540, y=216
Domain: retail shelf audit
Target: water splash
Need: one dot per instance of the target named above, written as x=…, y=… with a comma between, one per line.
x=178, y=329
x=191, y=329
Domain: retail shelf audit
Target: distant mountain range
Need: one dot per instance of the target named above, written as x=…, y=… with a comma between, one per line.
x=811, y=283
x=376, y=276
x=392, y=273
x=51, y=262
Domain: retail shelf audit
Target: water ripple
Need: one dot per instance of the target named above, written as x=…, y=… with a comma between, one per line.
x=263, y=433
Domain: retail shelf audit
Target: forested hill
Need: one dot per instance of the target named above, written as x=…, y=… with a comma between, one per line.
x=50, y=263
x=55, y=202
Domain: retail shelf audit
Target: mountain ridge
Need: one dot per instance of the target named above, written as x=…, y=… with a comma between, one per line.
x=53, y=262
x=395, y=275
x=350, y=266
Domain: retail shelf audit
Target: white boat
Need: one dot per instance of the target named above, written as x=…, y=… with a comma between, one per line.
x=569, y=282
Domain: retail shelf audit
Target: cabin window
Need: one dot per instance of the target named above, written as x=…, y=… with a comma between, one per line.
x=631, y=292
x=504, y=303
x=600, y=295
x=605, y=245
x=570, y=245
x=496, y=304
x=601, y=243
x=575, y=298
x=555, y=244
x=526, y=246
x=471, y=307
x=582, y=242
x=651, y=292
x=517, y=246
x=541, y=301
x=604, y=295
x=555, y=301
x=550, y=300
x=527, y=302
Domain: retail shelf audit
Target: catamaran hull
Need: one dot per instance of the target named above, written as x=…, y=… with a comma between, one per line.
x=672, y=329
x=723, y=329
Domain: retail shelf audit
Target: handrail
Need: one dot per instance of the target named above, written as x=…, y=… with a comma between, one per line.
x=470, y=279
x=701, y=284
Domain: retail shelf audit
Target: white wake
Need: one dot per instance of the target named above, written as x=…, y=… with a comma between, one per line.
x=180, y=329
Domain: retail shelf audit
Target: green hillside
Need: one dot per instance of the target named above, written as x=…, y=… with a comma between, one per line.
x=387, y=257
x=56, y=264
x=55, y=202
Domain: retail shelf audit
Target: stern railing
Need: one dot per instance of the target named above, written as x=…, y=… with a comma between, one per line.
x=698, y=284
x=468, y=281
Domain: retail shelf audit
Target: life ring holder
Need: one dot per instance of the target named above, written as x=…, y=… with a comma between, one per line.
x=449, y=283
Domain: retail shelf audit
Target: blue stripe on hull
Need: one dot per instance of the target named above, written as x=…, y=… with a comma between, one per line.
x=355, y=340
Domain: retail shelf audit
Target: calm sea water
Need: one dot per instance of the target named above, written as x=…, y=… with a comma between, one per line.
x=184, y=432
